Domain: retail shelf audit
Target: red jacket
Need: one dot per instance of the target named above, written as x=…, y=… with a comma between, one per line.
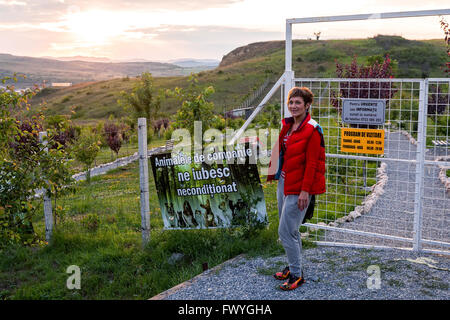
x=303, y=161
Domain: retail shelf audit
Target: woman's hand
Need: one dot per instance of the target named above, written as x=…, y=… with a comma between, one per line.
x=302, y=201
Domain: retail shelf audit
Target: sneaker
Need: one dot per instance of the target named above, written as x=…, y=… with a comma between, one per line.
x=293, y=283
x=283, y=275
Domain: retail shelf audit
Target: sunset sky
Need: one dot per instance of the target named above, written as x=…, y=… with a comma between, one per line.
x=170, y=29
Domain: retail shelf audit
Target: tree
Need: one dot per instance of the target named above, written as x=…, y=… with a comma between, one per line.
x=143, y=101
x=62, y=131
x=160, y=123
x=317, y=34
x=194, y=105
x=25, y=142
x=86, y=149
x=444, y=26
x=269, y=117
x=25, y=166
x=377, y=67
x=113, y=136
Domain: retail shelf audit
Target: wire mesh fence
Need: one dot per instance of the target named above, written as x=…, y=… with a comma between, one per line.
x=392, y=198
x=110, y=202
x=115, y=142
x=398, y=197
x=436, y=177
x=85, y=203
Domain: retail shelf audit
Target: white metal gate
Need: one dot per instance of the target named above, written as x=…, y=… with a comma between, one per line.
x=434, y=231
x=397, y=199
x=401, y=198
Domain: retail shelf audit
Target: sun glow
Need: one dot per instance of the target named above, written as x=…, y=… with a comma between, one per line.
x=95, y=27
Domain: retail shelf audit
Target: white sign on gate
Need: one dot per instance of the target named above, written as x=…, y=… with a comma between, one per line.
x=363, y=111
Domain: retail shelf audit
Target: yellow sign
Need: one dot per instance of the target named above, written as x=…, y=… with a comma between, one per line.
x=362, y=140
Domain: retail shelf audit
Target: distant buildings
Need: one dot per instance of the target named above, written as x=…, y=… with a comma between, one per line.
x=240, y=113
x=61, y=84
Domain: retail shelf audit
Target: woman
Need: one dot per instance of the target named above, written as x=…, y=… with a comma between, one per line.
x=298, y=163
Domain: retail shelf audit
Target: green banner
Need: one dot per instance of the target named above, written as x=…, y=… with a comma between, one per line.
x=216, y=190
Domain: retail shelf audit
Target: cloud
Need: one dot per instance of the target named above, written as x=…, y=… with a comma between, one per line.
x=178, y=5
x=207, y=41
x=32, y=11
x=210, y=34
x=162, y=42
x=166, y=29
x=12, y=3
x=36, y=10
x=53, y=11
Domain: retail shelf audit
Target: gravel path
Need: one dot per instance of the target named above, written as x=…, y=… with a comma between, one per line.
x=393, y=213
x=331, y=273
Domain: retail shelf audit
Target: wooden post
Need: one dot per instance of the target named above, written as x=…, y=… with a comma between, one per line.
x=143, y=177
x=47, y=200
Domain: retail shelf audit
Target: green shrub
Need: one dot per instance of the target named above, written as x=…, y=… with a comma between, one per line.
x=25, y=167
x=66, y=99
x=194, y=105
x=168, y=134
x=86, y=149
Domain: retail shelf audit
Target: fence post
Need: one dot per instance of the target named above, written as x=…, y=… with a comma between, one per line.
x=143, y=178
x=420, y=158
x=48, y=214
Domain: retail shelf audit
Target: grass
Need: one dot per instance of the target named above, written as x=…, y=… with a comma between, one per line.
x=113, y=264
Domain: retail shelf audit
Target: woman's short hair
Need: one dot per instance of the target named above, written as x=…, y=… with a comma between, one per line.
x=302, y=92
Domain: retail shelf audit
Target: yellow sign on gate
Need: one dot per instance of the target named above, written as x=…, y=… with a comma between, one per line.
x=362, y=140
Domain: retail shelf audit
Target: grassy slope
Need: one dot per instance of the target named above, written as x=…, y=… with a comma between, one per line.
x=234, y=82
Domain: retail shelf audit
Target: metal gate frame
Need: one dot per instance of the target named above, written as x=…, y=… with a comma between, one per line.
x=417, y=240
x=287, y=81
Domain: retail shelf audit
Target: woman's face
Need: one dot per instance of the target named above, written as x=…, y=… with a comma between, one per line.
x=297, y=107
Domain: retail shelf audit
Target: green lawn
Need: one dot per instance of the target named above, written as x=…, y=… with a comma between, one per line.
x=100, y=232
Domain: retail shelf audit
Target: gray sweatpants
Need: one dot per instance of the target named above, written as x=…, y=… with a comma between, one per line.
x=290, y=218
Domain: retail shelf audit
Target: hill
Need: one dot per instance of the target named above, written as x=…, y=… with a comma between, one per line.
x=38, y=70
x=195, y=63
x=244, y=69
x=250, y=51
x=80, y=58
